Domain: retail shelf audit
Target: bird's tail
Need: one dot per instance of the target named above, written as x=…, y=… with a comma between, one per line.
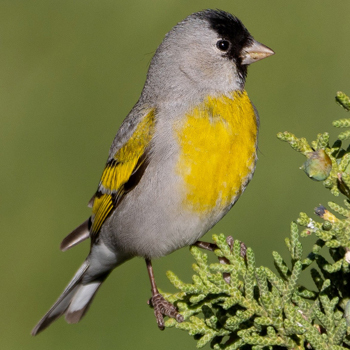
x=75, y=299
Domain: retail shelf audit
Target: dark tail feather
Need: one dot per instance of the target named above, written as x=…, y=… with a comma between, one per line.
x=80, y=234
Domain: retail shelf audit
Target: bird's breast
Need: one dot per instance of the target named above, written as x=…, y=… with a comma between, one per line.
x=218, y=142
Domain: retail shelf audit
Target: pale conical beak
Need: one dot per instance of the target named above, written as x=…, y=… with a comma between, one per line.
x=255, y=52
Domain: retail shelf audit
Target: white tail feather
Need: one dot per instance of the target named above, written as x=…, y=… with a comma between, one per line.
x=78, y=295
x=81, y=301
x=83, y=296
x=63, y=302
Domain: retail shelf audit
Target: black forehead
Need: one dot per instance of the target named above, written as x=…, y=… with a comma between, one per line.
x=227, y=27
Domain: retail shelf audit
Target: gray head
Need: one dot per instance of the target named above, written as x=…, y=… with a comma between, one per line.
x=205, y=54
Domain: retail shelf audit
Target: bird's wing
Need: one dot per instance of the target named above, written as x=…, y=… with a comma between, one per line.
x=124, y=169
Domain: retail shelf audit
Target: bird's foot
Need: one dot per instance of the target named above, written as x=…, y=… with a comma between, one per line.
x=163, y=308
x=212, y=246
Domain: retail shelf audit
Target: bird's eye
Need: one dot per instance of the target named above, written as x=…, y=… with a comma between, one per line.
x=223, y=45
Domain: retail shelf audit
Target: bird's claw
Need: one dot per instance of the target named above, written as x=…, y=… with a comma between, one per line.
x=164, y=308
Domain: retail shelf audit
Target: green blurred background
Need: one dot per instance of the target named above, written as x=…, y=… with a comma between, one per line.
x=69, y=73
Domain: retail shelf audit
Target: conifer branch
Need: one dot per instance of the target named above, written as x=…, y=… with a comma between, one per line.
x=235, y=304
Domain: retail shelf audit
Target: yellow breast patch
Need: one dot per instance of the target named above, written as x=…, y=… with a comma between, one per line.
x=218, y=150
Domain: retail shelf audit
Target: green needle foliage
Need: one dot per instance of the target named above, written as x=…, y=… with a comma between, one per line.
x=233, y=304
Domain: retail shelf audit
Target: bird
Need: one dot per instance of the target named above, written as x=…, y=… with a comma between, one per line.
x=178, y=163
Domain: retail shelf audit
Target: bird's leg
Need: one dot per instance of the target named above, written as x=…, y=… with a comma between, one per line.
x=160, y=305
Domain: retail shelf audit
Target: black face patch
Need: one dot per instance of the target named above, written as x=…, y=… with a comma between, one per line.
x=229, y=28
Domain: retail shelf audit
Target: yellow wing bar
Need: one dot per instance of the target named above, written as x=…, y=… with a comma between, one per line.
x=103, y=206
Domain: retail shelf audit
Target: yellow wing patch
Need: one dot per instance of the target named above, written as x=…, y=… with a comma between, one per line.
x=218, y=151
x=118, y=171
